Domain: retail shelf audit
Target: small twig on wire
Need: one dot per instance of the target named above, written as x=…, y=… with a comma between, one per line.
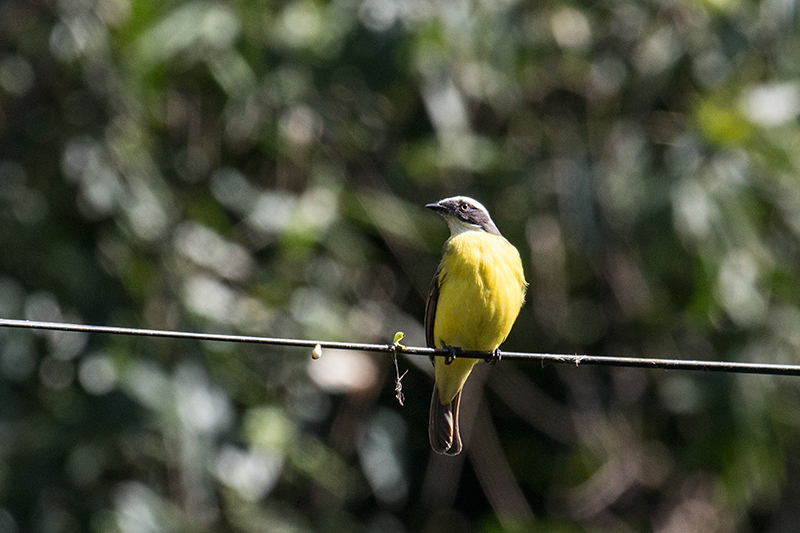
x=398, y=380
x=637, y=362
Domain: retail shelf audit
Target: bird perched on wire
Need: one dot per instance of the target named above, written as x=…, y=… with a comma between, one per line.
x=477, y=292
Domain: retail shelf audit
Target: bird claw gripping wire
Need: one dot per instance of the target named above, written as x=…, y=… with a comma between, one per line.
x=452, y=353
x=495, y=356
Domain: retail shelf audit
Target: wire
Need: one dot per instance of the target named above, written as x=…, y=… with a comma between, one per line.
x=577, y=360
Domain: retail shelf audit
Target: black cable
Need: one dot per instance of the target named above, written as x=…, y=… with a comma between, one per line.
x=577, y=360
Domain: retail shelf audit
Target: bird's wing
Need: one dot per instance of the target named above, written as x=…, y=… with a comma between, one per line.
x=430, y=311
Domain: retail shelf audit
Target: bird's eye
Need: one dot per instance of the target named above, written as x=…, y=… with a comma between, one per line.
x=464, y=207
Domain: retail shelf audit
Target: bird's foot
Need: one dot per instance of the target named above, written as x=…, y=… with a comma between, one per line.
x=453, y=352
x=494, y=357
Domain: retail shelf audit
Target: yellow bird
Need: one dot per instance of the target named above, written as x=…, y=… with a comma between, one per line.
x=476, y=296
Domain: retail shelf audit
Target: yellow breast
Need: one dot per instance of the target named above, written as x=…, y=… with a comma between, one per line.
x=481, y=289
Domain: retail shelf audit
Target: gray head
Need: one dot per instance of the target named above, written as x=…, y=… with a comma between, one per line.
x=463, y=213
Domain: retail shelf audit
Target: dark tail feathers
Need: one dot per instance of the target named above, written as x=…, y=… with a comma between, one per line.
x=443, y=425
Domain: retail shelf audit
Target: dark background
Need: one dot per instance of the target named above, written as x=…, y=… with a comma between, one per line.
x=261, y=168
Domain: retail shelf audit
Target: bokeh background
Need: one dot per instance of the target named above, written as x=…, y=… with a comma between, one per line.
x=260, y=168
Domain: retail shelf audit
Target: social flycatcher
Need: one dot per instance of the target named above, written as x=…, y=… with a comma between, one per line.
x=476, y=296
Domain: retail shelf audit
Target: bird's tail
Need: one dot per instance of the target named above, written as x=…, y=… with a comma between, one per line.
x=443, y=425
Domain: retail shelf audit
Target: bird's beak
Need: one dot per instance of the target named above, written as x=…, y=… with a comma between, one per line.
x=436, y=206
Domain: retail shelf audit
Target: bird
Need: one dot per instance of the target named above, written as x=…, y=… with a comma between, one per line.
x=476, y=294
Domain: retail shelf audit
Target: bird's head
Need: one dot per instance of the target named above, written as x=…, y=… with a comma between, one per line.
x=464, y=214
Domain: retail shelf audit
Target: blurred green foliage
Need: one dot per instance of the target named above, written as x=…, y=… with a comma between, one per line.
x=260, y=168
